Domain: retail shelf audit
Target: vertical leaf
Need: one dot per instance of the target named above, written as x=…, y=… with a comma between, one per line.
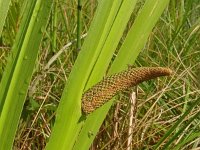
x=4, y=6
x=17, y=76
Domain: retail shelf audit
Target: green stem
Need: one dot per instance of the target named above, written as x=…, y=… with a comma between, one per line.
x=79, y=24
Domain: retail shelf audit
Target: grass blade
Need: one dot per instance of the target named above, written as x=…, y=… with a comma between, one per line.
x=173, y=128
x=4, y=6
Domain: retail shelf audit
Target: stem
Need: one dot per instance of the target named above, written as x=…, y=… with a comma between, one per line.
x=79, y=24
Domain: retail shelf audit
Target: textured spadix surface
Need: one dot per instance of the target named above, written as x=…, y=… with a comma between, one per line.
x=104, y=90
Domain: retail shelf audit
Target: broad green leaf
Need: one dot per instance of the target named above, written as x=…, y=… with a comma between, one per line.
x=17, y=75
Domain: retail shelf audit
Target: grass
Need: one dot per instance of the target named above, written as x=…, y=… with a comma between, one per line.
x=174, y=42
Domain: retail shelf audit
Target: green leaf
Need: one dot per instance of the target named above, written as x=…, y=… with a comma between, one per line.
x=17, y=75
x=4, y=6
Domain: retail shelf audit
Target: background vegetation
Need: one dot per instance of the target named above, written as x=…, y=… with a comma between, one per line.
x=167, y=108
